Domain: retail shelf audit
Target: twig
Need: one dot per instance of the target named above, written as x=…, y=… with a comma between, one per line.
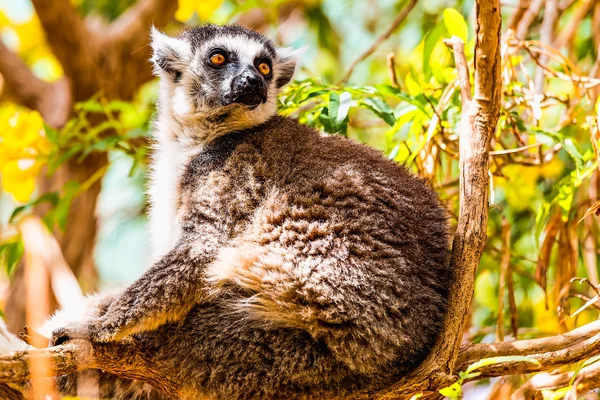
x=516, y=150
x=567, y=34
x=528, y=17
x=391, y=66
x=382, y=38
x=516, y=17
x=504, y=271
x=587, y=378
x=546, y=37
x=460, y=59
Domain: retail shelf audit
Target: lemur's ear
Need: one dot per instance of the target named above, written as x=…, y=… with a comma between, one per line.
x=169, y=54
x=287, y=59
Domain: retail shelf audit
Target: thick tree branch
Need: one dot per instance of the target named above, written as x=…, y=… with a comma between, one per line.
x=71, y=42
x=52, y=100
x=551, y=352
x=121, y=358
x=478, y=124
x=479, y=118
x=132, y=27
x=125, y=359
x=128, y=39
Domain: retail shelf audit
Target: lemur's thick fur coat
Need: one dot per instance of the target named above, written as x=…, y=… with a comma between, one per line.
x=289, y=264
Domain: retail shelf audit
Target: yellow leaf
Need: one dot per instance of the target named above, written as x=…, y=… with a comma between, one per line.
x=18, y=179
x=185, y=10
x=23, y=145
x=206, y=8
x=455, y=23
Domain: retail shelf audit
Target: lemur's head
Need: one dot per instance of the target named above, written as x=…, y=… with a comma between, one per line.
x=217, y=79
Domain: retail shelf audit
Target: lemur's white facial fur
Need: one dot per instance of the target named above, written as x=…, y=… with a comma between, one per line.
x=203, y=100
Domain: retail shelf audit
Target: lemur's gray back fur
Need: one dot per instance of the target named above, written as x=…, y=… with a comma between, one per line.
x=303, y=266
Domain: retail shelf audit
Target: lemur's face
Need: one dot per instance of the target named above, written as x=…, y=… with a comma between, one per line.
x=222, y=72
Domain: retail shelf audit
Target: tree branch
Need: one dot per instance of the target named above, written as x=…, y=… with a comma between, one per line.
x=71, y=43
x=382, y=38
x=126, y=360
x=551, y=352
x=587, y=378
x=126, y=42
x=133, y=26
x=479, y=118
x=120, y=358
x=460, y=59
x=52, y=100
x=567, y=34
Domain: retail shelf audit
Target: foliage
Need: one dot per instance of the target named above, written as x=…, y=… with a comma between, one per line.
x=544, y=168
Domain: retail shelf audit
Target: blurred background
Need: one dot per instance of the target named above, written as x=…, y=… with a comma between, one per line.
x=77, y=101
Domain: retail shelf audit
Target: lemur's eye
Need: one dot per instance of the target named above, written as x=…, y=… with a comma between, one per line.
x=218, y=59
x=264, y=68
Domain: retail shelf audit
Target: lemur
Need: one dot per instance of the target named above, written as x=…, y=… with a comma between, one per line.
x=290, y=264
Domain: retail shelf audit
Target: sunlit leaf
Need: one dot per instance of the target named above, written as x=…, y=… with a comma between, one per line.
x=455, y=23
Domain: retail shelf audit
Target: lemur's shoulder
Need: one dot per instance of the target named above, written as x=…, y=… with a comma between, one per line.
x=287, y=135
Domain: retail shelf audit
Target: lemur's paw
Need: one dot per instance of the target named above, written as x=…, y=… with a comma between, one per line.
x=99, y=330
x=105, y=331
x=69, y=332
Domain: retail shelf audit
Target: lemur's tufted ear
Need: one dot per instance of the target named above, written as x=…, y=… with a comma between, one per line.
x=169, y=54
x=287, y=59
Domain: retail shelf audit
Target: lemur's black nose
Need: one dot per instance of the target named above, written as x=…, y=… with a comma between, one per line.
x=254, y=79
x=251, y=80
x=249, y=88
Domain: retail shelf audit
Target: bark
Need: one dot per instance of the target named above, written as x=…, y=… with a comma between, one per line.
x=122, y=358
x=125, y=359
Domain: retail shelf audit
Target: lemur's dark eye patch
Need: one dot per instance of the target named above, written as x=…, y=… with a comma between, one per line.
x=218, y=57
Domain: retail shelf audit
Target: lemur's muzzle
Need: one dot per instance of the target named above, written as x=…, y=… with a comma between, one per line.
x=249, y=88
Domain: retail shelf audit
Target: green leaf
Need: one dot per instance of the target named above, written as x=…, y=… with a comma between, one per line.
x=51, y=198
x=497, y=360
x=455, y=23
x=60, y=213
x=453, y=391
x=11, y=253
x=379, y=107
x=344, y=107
x=430, y=41
x=325, y=121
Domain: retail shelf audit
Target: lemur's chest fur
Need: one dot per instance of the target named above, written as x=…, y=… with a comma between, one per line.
x=218, y=186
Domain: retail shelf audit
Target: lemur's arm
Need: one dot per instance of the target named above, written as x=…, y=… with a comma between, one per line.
x=166, y=292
